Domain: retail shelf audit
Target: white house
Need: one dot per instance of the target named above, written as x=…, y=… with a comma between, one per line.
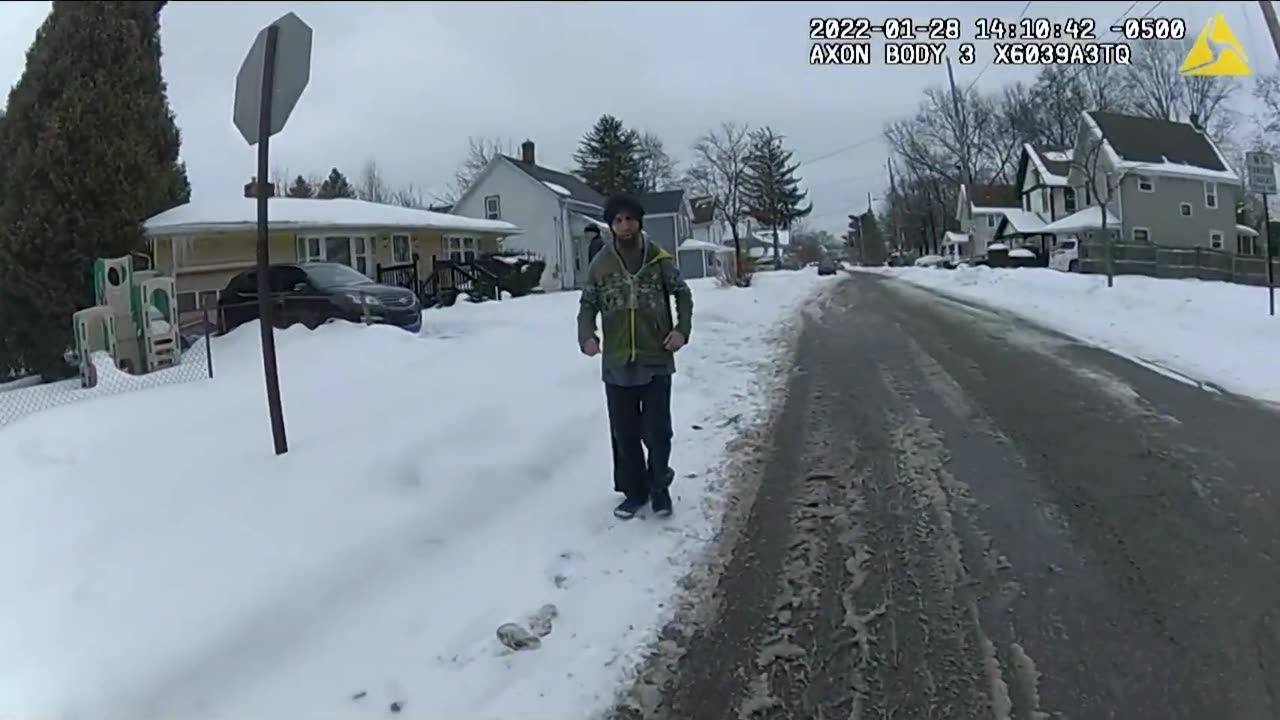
x=552, y=209
x=705, y=226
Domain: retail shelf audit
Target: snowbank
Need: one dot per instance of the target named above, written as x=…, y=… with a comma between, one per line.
x=1211, y=331
x=157, y=560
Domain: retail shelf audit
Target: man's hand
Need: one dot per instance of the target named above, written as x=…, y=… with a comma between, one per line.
x=591, y=346
x=674, y=341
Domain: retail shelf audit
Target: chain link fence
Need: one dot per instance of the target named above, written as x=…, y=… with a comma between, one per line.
x=25, y=396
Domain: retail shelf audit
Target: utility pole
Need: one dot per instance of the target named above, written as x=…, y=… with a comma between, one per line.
x=961, y=129
x=1273, y=26
x=896, y=207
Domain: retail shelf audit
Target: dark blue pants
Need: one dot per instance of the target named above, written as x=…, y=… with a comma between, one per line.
x=640, y=419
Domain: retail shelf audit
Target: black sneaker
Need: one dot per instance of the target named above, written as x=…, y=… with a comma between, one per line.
x=628, y=508
x=662, y=503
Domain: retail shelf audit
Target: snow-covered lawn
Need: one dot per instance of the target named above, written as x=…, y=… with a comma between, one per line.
x=1213, y=332
x=157, y=560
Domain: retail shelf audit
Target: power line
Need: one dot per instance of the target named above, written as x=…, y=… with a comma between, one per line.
x=839, y=151
x=992, y=60
x=852, y=178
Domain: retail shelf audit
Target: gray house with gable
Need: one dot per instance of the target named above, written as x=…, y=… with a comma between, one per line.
x=668, y=218
x=1169, y=182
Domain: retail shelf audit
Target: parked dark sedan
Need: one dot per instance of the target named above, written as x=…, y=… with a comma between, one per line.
x=313, y=293
x=827, y=266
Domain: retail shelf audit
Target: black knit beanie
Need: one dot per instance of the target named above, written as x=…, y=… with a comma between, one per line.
x=618, y=203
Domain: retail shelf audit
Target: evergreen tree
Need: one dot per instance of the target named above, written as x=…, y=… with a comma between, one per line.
x=91, y=150
x=335, y=186
x=772, y=190
x=610, y=159
x=300, y=188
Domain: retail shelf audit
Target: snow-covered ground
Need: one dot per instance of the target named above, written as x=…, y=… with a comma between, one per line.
x=158, y=561
x=1213, y=332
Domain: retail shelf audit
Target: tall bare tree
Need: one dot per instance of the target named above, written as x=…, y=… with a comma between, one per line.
x=1011, y=122
x=479, y=152
x=718, y=170
x=410, y=196
x=371, y=186
x=1058, y=98
x=1159, y=91
x=1103, y=181
x=657, y=169
x=1103, y=87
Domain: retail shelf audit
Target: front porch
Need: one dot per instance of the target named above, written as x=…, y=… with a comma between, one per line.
x=1026, y=229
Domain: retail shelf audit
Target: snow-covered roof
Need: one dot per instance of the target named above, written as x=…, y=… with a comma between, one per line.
x=1205, y=150
x=557, y=188
x=230, y=214
x=587, y=219
x=766, y=236
x=1089, y=218
x=1246, y=230
x=1048, y=175
x=954, y=238
x=1024, y=221
x=695, y=244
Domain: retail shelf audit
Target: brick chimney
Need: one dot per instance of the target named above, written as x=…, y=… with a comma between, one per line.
x=526, y=151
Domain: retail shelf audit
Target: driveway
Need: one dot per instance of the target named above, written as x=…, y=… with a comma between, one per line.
x=964, y=516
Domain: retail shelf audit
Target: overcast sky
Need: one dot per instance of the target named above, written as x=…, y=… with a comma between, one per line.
x=407, y=83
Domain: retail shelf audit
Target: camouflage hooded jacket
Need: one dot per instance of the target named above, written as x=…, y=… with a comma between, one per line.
x=634, y=308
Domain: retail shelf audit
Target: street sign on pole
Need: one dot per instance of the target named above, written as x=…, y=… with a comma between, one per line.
x=1260, y=170
x=271, y=79
x=292, y=72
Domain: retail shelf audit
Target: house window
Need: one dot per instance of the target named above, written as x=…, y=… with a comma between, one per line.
x=1211, y=195
x=1146, y=184
x=1247, y=245
x=1184, y=209
x=492, y=208
x=462, y=249
x=1069, y=200
x=1026, y=202
x=1142, y=235
x=401, y=250
x=352, y=251
x=991, y=221
x=1215, y=239
x=310, y=249
x=363, y=258
x=1046, y=200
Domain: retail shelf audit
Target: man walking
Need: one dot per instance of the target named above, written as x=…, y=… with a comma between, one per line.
x=628, y=284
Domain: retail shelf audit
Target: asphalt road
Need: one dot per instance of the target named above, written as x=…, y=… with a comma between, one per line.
x=964, y=516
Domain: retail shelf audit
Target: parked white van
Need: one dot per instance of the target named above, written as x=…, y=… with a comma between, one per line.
x=1066, y=255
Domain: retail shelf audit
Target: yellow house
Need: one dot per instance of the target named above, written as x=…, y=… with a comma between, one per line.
x=203, y=244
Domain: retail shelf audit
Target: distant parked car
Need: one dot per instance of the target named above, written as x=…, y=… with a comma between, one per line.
x=314, y=293
x=826, y=266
